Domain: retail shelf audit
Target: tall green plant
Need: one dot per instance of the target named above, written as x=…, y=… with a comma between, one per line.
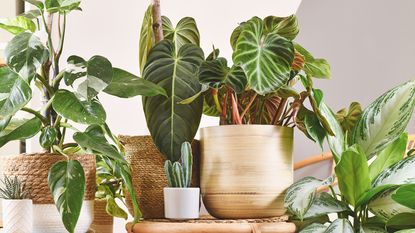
x=69, y=96
x=376, y=178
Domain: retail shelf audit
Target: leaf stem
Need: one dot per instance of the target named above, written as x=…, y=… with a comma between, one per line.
x=249, y=105
x=37, y=114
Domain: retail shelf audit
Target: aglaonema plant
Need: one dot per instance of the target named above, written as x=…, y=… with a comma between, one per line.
x=69, y=96
x=375, y=174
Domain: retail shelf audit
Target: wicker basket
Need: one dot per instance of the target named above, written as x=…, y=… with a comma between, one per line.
x=147, y=166
x=103, y=222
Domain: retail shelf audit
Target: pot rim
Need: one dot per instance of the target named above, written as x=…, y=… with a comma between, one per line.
x=249, y=126
x=182, y=189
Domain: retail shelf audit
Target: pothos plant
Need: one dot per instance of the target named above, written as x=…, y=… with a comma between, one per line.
x=69, y=96
x=375, y=174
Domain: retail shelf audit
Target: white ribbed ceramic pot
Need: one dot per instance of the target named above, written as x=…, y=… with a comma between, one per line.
x=181, y=203
x=17, y=216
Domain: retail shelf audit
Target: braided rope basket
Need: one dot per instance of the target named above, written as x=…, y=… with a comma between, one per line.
x=103, y=222
x=147, y=165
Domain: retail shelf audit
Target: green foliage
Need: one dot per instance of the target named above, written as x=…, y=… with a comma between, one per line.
x=17, y=25
x=179, y=174
x=12, y=189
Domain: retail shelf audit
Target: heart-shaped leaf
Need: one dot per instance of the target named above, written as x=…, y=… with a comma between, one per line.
x=126, y=85
x=95, y=74
x=146, y=37
x=17, y=25
x=71, y=107
x=171, y=123
x=384, y=120
x=25, y=53
x=20, y=129
x=67, y=183
x=186, y=32
x=266, y=59
x=62, y=6
x=15, y=92
x=285, y=26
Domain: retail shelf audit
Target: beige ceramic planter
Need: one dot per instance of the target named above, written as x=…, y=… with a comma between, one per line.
x=245, y=170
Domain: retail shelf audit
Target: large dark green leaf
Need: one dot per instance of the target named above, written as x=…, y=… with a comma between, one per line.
x=285, y=26
x=95, y=75
x=353, y=174
x=314, y=67
x=17, y=25
x=25, y=53
x=186, y=31
x=384, y=120
x=265, y=59
x=71, y=107
x=67, y=183
x=20, y=129
x=15, y=92
x=169, y=122
x=126, y=85
x=216, y=72
x=146, y=37
x=62, y=6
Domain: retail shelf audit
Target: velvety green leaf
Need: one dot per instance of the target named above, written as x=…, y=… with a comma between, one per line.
x=402, y=172
x=314, y=129
x=15, y=92
x=284, y=26
x=325, y=204
x=266, y=60
x=171, y=123
x=17, y=25
x=95, y=74
x=20, y=129
x=186, y=32
x=71, y=107
x=216, y=72
x=315, y=228
x=114, y=210
x=349, y=117
x=62, y=6
x=48, y=137
x=405, y=195
x=126, y=85
x=385, y=207
x=235, y=35
x=213, y=55
x=384, y=120
x=336, y=142
x=353, y=174
x=340, y=225
x=146, y=37
x=93, y=139
x=402, y=221
x=372, y=193
x=67, y=183
x=314, y=67
x=25, y=53
x=300, y=196
x=389, y=156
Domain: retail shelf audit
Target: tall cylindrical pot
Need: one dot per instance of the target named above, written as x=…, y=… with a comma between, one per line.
x=32, y=170
x=149, y=180
x=17, y=216
x=245, y=170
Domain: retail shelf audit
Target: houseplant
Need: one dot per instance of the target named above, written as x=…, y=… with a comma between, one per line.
x=374, y=172
x=180, y=200
x=17, y=208
x=59, y=170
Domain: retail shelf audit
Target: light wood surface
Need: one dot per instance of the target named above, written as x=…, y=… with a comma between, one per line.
x=245, y=170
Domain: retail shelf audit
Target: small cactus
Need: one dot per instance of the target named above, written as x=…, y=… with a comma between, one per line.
x=12, y=189
x=179, y=174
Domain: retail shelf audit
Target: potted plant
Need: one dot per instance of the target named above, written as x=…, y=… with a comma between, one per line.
x=373, y=169
x=180, y=200
x=64, y=173
x=17, y=207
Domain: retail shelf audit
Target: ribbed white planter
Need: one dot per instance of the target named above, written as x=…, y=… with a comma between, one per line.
x=47, y=219
x=181, y=203
x=17, y=216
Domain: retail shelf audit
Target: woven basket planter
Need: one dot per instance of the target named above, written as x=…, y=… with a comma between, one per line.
x=147, y=165
x=103, y=222
x=32, y=170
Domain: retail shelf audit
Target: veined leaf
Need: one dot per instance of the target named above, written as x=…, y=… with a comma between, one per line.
x=314, y=67
x=402, y=172
x=71, y=107
x=15, y=92
x=405, y=195
x=146, y=37
x=96, y=75
x=384, y=120
x=389, y=156
x=266, y=60
x=235, y=35
x=62, y=6
x=126, y=85
x=340, y=225
x=325, y=204
x=17, y=25
x=25, y=53
x=315, y=228
x=349, y=117
x=186, y=32
x=353, y=174
x=284, y=26
x=20, y=129
x=67, y=183
x=171, y=123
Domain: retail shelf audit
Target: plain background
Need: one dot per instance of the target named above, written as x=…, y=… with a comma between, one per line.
x=369, y=44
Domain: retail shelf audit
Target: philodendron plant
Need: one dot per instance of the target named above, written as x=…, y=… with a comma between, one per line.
x=179, y=174
x=375, y=175
x=70, y=96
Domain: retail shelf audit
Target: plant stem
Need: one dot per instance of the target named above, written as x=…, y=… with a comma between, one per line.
x=157, y=22
x=37, y=114
x=280, y=109
x=45, y=84
x=249, y=105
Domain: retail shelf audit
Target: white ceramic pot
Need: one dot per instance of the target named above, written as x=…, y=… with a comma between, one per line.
x=181, y=203
x=17, y=216
x=48, y=220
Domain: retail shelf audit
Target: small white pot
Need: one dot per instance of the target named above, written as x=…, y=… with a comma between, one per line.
x=17, y=216
x=181, y=203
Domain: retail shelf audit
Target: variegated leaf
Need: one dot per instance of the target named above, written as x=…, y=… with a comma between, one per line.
x=315, y=228
x=325, y=204
x=384, y=120
x=266, y=59
x=340, y=225
x=146, y=37
x=371, y=229
x=285, y=26
x=385, y=207
x=185, y=32
x=402, y=172
x=336, y=142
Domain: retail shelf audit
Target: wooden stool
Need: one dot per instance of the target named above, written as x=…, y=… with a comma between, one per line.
x=208, y=224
